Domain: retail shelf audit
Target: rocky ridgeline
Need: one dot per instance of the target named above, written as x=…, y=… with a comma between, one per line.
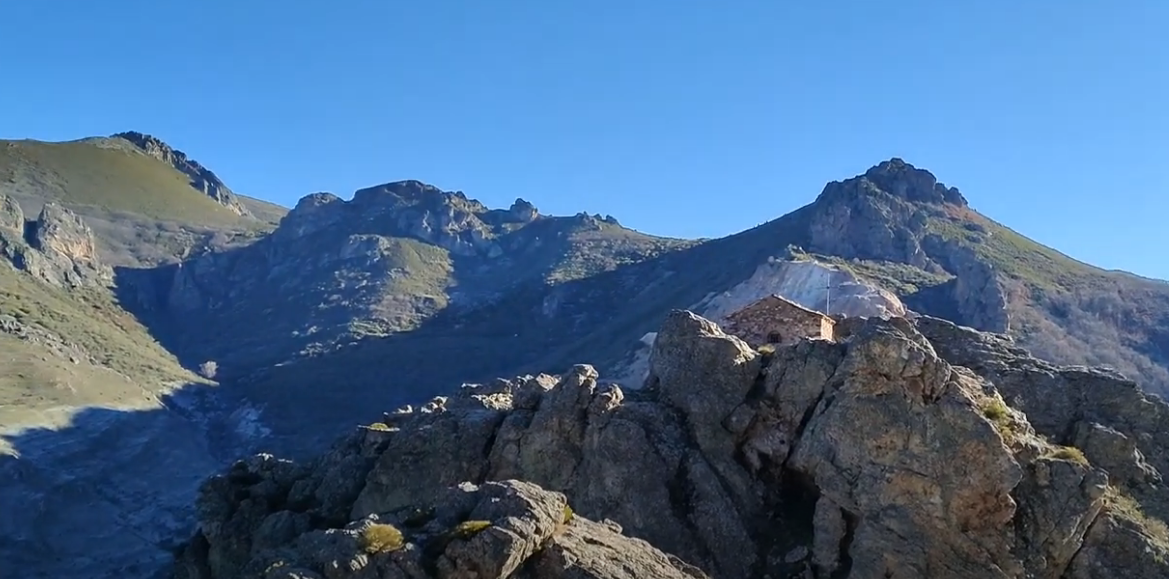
x=201, y=177
x=891, y=453
x=411, y=208
x=57, y=247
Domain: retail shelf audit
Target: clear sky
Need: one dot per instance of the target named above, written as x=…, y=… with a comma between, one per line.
x=679, y=117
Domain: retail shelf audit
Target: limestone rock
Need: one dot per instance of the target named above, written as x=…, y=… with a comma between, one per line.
x=11, y=216
x=57, y=248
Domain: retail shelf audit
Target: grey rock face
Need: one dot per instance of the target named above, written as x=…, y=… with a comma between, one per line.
x=1117, y=425
x=915, y=477
x=57, y=248
x=912, y=184
x=498, y=529
x=11, y=216
x=201, y=177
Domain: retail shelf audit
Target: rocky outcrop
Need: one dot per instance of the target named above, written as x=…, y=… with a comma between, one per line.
x=497, y=529
x=201, y=177
x=449, y=220
x=1112, y=420
x=11, y=216
x=870, y=457
x=57, y=248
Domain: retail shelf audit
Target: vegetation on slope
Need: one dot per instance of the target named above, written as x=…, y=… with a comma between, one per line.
x=107, y=174
x=61, y=350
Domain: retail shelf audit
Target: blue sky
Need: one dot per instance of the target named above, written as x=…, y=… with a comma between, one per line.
x=680, y=117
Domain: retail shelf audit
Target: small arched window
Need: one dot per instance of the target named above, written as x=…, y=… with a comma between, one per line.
x=774, y=338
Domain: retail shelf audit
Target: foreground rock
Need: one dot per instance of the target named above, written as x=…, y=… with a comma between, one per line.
x=872, y=457
x=499, y=529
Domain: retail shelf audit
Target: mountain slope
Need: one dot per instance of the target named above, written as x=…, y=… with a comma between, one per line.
x=480, y=298
x=124, y=274
x=383, y=263
x=133, y=194
x=68, y=212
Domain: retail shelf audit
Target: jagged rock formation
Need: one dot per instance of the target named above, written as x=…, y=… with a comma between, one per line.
x=201, y=177
x=385, y=261
x=871, y=457
x=498, y=529
x=447, y=219
x=57, y=247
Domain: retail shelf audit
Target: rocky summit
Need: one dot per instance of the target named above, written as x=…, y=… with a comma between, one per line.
x=899, y=450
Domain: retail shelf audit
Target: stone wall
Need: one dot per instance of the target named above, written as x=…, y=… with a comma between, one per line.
x=776, y=320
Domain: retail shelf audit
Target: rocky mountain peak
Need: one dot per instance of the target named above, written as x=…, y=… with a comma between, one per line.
x=523, y=210
x=412, y=192
x=415, y=209
x=899, y=179
x=202, y=178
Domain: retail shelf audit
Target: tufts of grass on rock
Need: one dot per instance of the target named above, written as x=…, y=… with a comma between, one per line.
x=381, y=538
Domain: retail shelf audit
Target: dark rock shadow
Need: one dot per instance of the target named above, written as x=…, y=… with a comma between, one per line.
x=113, y=493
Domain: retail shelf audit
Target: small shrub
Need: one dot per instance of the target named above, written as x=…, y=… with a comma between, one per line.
x=379, y=426
x=381, y=538
x=568, y=514
x=1070, y=453
x=468, y=529
x=995, y=409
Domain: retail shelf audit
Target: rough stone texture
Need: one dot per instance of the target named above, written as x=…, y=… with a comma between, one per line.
x=201, y=177
x=57, y=248
x=11, y=216
x=715, y=463
x=778, y=320
x=1116, y=547
x=1120, y=427
x=495, y=530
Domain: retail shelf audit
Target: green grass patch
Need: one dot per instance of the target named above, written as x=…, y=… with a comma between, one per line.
x=109, y=174
x=1070, y=454
x=92, y=320
x=995, y=409
x=468, y=529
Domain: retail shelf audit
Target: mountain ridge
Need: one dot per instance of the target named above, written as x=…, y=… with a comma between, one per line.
x=337, y=308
